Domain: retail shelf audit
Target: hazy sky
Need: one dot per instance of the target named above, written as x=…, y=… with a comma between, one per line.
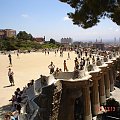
x=49, y=18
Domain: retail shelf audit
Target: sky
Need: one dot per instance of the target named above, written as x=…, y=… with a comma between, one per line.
x=49, y=18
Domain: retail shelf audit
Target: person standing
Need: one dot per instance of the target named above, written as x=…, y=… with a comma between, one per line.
x=56, y=73
x=93, y=60
x=65, y=66
x=86, y=54
x=10, y=75
x=48, y=52
x=78, y=55
x=81, y=53
x=68, y=56
x=17, y=55
x=76, y=63
x=55, y=53
x=81, y=64
x=60, y=53
x=51, y=67
x=45, y=51
x=10, y=59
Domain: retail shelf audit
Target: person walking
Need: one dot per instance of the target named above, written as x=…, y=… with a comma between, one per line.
x=51, y=67
x=10, y=75
x=10, y=59
x=18, y=55
x=68, y=56
x=65, y=66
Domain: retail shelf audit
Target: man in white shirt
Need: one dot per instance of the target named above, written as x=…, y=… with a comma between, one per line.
x=51, y=67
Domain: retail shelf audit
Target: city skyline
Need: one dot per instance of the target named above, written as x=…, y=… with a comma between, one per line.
x=41, y=18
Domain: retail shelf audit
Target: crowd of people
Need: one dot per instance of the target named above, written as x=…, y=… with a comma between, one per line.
x=18, y=99
x=83, y=57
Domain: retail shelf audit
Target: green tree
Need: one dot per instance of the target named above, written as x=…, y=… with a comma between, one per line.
x=8, y=44
x=24, y=35
x=30, y=37
x=89, y=12
x=52, y=41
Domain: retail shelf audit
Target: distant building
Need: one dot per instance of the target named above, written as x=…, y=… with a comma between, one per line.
x=40, y=40
x=99, y=45
x=82, y=44
x=66, y=41
x=77, y=43
x=7, y=33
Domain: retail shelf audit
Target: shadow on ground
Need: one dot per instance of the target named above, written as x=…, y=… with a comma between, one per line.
x=4, y=109
x=7, y=86
x=117, y=84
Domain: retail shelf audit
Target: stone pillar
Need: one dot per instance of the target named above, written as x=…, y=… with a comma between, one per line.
x=87, y=104
x=68, y=104
x=114, y=73
x=70, y=108
x=107, y=84
x=95, y=98
x=102, y=90
x=111, y=79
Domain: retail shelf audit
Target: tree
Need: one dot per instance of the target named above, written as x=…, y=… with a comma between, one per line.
x=8, y=44
x=89, y=12
x=24, y=35
x=30, y=37
x=52, y=41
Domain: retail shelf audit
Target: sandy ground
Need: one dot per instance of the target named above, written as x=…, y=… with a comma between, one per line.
x=28, y=66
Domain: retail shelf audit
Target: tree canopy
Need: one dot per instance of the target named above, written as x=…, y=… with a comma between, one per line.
x=89, y=12
x=24, y=41
x=52, y=41
x=24, y=35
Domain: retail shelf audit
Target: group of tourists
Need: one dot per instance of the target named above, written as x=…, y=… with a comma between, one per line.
x=18, y=99
x=16, y=106
x=10, y=72
x=47, y=51
x=78, y=64
x=52, y=67
x=84, y=57
x=11, y=116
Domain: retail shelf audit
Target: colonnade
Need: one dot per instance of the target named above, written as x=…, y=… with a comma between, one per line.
x=103, y=84
x=94, y=95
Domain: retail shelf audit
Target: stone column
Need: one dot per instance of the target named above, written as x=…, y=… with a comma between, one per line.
x=107, y=84
x=70, y=108
x=114, y=72
x=111, y=79
x=87, y=104
x=68, y=104
x=102, y=90
x=95, y=97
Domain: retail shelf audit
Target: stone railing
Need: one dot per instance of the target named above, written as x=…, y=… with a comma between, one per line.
x=29, y=107
x=56, y=101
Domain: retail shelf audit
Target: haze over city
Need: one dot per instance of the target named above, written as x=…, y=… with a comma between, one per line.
x=49, y=18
